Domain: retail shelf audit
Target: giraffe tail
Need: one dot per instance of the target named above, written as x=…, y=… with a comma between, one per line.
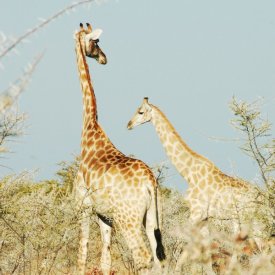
x=160, y=248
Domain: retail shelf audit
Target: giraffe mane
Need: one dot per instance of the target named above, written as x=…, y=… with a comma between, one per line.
x=172, y=129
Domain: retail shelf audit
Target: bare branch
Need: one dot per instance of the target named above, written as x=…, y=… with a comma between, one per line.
x=256, y=130
x=9, y=96
x=41, y=25
x=11, y=122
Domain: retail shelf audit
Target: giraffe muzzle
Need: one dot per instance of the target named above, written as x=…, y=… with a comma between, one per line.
x=102, y=59
x=130, y=125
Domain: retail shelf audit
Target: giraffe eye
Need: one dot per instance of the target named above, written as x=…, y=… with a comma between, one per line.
x=96, y=41
x=141, y=113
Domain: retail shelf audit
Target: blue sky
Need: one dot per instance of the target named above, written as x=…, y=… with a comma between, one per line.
x=188, y=57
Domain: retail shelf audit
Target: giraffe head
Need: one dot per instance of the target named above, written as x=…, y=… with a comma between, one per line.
x=142, y=115
x=89, y=39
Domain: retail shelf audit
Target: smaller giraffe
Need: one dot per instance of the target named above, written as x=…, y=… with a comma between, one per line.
x=121, y=190
x=210, y=192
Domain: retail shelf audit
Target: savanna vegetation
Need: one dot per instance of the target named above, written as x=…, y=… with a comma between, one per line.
x=39, y=220
x=39, y=227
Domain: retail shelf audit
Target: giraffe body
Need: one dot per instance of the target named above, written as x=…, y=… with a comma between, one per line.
x=120, y=189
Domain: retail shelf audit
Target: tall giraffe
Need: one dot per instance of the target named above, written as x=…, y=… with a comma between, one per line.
x=121, y=190
x=210, y=192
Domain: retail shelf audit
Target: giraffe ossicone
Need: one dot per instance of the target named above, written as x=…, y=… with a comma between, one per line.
x=119, y=188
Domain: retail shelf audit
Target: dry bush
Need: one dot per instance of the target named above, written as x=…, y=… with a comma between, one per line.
x=190, y=252
x=39, y=228
x=39, y=234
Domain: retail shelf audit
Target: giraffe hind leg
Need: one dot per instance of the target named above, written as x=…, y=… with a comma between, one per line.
x=133, y=237
x=154, y=235
x=152, y=226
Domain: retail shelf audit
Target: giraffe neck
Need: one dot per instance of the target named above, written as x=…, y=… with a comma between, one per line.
x=189, y=164
x=94, y=142
x=89, y=99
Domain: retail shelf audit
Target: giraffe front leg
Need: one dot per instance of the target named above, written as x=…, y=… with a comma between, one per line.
x=83, y=242
x=106, y=260
x=83, y=202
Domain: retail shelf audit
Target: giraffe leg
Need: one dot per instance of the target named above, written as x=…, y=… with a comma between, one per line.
x=133, y=236
x=150, y=232
x=83, y=201
x=151, y=227
x=106, y=260
x=83, y=242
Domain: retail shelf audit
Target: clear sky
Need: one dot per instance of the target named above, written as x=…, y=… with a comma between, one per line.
x=188, y=57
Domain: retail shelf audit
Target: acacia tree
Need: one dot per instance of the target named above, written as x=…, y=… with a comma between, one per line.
x=257, y=141
x=259, y=145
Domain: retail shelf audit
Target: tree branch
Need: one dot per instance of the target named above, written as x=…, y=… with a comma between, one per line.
x=41, y=25
x=8, y=97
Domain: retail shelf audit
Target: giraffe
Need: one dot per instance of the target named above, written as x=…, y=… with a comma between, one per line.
x=210, y=192
x=122, y=191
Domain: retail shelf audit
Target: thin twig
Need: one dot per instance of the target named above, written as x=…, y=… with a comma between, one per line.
x=8, y=97
x=41, y=25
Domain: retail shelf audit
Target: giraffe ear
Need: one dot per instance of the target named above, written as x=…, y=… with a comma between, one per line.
x=94, y=35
